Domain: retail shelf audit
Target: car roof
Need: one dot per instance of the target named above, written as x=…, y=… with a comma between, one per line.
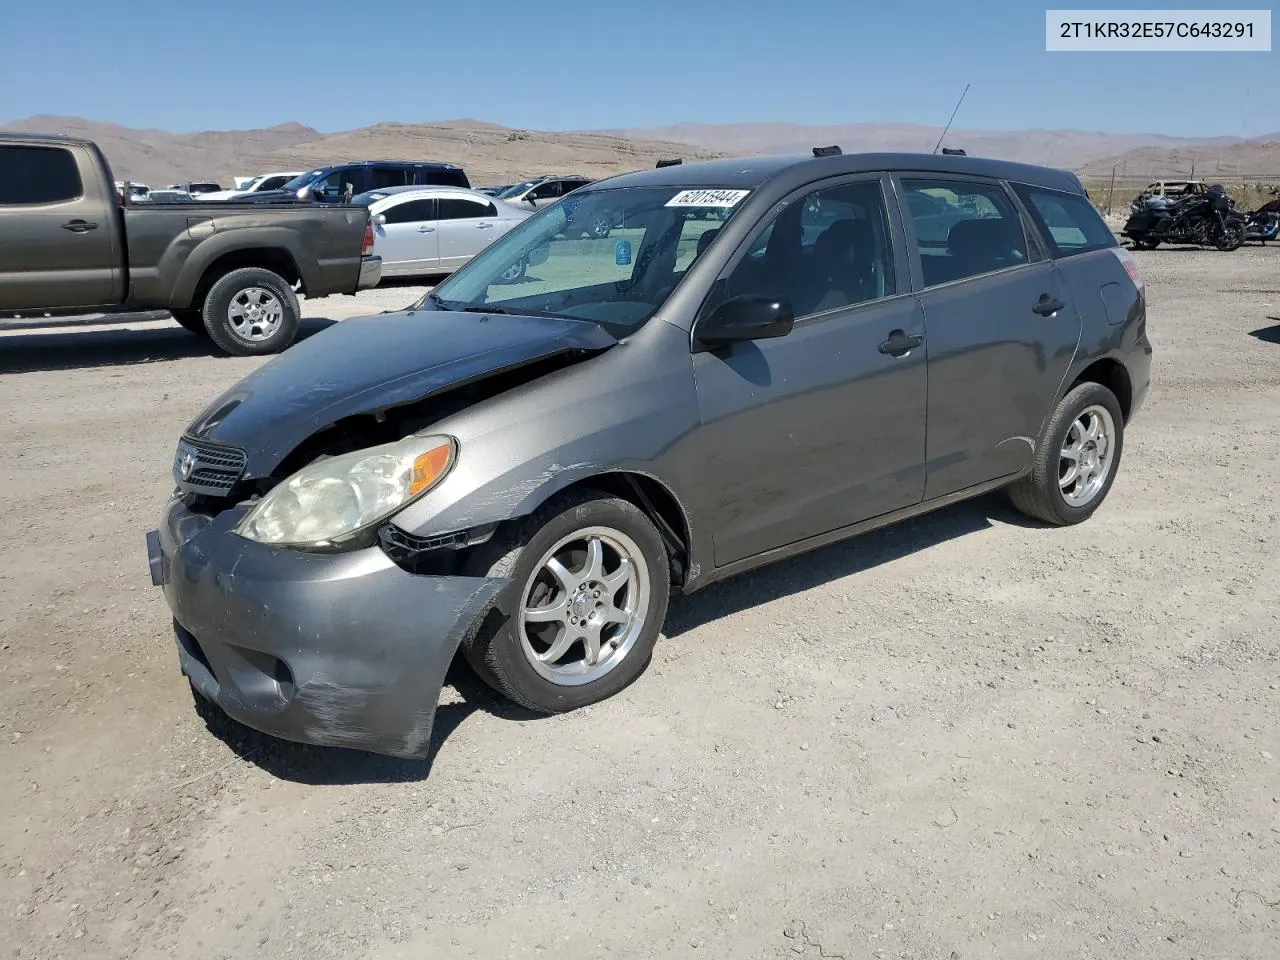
x=753, y=172
x=427, y=190
x=440, y=164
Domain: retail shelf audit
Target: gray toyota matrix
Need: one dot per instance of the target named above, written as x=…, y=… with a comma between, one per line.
x=666, y=378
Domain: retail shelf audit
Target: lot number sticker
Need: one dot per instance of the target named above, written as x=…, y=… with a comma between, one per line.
x=706, y=198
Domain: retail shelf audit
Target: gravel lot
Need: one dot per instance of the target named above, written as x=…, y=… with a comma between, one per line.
x=962, y=737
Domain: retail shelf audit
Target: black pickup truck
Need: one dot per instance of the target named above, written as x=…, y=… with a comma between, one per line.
x=71, y=245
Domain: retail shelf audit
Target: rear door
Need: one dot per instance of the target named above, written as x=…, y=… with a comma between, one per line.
x=1001, y=331
x=467, y=226
x=409, y=241
x=58, y=233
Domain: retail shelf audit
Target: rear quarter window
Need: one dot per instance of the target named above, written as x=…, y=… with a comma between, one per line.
x=35, y=175
x=1067, y=221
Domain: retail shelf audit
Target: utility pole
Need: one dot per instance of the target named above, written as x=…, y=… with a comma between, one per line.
x=1112, y=191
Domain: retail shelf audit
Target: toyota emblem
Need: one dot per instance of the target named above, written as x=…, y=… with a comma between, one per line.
x=187, y=465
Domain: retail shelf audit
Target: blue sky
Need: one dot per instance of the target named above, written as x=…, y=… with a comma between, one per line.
x=576, y=64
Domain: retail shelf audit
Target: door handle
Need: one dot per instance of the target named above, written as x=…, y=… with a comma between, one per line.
x=1048, y=306
x=483, y=226
x=426, y=229
x=79, y=226
x=900, y=344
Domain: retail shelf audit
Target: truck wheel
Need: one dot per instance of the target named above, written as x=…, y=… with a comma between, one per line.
x=250, y=312
x=577, y=623
x=1076, y=459
x=191, y=320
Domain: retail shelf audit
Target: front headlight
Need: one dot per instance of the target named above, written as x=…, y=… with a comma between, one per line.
x=335, y=500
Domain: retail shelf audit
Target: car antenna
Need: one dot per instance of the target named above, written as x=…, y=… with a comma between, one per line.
x=953, y=116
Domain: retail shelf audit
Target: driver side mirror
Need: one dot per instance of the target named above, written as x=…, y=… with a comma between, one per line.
x=745, y=318
x=380, y=219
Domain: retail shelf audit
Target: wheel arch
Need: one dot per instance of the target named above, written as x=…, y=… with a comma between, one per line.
x=278, y=260
x=1112, y=374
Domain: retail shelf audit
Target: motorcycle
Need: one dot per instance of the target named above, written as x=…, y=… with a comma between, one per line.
x=1208, y=219
x=1263, y=224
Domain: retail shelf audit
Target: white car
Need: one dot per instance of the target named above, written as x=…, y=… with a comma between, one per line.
x=266, y=181
x=421, y=230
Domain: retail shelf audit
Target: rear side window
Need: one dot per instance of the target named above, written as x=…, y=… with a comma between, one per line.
x=1069, y=222
x=414, y=211
x=442, y=177
x=390, y=177
x=963, y=228
x=31, y=175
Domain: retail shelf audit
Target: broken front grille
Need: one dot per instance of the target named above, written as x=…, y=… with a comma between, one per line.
x=207, y=469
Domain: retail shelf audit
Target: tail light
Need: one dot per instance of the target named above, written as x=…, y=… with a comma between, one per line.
x=367, y=249
x=1130, y=265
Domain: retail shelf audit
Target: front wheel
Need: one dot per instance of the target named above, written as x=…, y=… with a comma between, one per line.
x=251, y=312
x=577, y=623
x=1230, y=237
x=600, y=226
x=1076, y=459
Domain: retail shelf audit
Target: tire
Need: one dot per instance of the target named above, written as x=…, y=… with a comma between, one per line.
x=515, y=273
x=190, y=320
x=248, y=287
x=1145, y=244
x=1230, y=237
x=502, y=648
x=1040, y=494
x=600, y=226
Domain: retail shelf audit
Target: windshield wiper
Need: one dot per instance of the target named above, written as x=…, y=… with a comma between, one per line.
x=484, y=309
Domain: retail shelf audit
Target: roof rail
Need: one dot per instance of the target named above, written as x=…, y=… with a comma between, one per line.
x=831, y=151
x=669, y=163
x=950, y=152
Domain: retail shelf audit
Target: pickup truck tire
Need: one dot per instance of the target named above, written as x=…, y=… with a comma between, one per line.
x=192, y=320
x=251, y=311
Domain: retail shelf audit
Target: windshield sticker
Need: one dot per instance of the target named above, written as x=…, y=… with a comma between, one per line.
x=622, y=253
x=706, y=198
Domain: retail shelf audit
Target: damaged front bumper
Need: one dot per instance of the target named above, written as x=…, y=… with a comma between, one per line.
x=345, y=650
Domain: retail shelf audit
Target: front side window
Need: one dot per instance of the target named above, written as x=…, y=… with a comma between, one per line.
x=1069, y=221
x=826, y=250
x=547, y=191
x=963, y=228
x=618, y=277
x=334, y=183
x=35, y=175
x=269, y=183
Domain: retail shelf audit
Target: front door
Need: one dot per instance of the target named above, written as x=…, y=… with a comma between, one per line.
x=58, y=233
x=409, y=241
x=1002, y=333
x=467, y=226
x=824, y=427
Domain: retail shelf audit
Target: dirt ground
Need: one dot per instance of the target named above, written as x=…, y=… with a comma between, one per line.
x=963, y=737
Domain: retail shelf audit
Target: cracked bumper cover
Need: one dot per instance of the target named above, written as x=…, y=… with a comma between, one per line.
x=344, y=650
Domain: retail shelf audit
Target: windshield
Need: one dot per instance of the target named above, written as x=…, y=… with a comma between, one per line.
x=610, y=256
x=301, y=180
x=516, y=189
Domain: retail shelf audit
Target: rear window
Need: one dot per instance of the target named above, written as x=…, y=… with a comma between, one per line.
x=32, y=175
x=1068, y=221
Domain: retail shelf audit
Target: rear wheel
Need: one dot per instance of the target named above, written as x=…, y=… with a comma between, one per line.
x=1076, y=459
x=191, y=320
x=588, y=591
x=252, y=311
x=1144, y=244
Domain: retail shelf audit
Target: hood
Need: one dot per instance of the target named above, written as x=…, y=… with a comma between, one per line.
x=368, y=364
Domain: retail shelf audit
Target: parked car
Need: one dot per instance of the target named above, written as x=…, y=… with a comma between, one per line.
x=197, y=187
x=165, y=196
x=492, y=190
x=266, y=181
x=540, y=191
x=432, y=230
x=329, y=184
x=528, y=471
x=68, y=245
x=137, y=191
